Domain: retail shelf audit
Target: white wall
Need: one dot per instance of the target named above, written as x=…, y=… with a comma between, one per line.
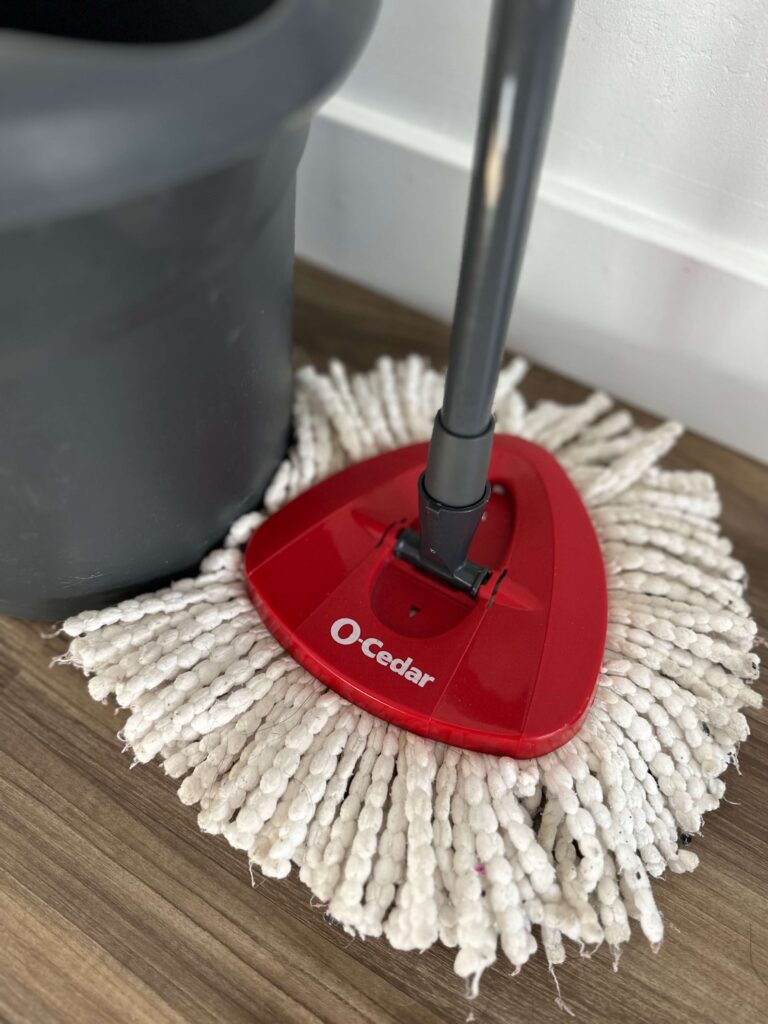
x=647, y=269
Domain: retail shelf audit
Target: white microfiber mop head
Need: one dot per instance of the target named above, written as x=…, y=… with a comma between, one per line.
x=411, y=839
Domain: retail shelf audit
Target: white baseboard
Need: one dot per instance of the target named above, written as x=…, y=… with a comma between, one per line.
x=675, y=322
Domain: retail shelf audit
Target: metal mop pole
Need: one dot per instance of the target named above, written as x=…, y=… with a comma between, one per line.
x=525, y=47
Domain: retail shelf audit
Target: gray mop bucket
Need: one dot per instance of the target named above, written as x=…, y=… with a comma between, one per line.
x=148, y=155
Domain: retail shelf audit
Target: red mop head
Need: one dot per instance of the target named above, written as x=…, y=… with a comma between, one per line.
x=512, y=671
x=408, y=838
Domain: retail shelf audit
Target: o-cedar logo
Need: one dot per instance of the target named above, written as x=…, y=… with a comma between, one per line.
x=347, y=632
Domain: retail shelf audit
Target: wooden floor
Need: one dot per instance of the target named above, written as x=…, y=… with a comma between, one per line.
x=114, y=908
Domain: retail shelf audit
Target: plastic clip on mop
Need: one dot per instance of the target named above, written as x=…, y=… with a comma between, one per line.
x=538, y=592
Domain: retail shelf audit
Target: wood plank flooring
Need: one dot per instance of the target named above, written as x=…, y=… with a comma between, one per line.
x=114, y=908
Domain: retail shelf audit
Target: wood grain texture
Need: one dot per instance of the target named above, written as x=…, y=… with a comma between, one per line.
x=114, y=908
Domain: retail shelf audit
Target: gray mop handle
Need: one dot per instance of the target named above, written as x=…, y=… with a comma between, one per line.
x=526, y=39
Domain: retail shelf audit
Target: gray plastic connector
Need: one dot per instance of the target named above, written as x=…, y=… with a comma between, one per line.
x=457, y=468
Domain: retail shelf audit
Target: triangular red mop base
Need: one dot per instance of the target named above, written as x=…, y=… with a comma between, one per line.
x=511, y=672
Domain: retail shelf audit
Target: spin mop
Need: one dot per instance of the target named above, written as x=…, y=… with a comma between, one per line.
x=480, y=691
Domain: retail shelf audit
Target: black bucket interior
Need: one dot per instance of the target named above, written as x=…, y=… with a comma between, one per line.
x=130, y=21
